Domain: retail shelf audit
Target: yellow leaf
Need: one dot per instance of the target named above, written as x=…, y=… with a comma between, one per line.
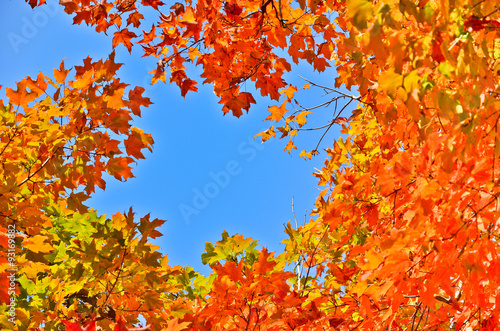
x=32, y=269
x=289, y=146
x=389, y=81
x=411, y=81
x=301, y=118
x=277, y=112
x=37, y=244
x=360, y=11
x=373, y=260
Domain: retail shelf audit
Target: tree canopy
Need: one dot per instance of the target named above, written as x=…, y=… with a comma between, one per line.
x=403, y=236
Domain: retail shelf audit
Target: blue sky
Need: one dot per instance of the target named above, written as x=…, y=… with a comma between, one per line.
x=206, y=173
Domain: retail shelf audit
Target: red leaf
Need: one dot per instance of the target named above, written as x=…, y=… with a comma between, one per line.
x=232, y=9
x=178, y=8
x=33, y=3
x=135, y=19
x=119, y=167
x=474, y=24
x=136, y=142
x=83, y=15
x=136, y=100
x=437, y=54
x=235, y=104
x=120, y=325
x=88, y=326
x=188, y=85
x=152, y=3
x=70, y=326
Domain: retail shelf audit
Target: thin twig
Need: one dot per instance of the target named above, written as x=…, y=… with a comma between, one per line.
x=334, y=120
x=331, y=89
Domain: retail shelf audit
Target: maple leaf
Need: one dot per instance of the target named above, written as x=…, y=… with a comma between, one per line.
x=69, y=6
x=152, y=3
x=137, y=141
x=404, y=227
x=320, y=64
x=119, y=167
x=135, y=19
x=188, y=85
x=289, y=146
x=35, y=3
x=89, y=326
x=120, y=324
x=148, y=36
x=72, y=326
x=60, y=75
x=277, y=113
x=123, y=37
x=232, y=9
x=174, y=325
x=83, y=15
x=437, y=53
x=236, y=103
x=282, y=65
x=301, y=118
x=37, y=244
x=178, y=8
x=135, y=100
x=289, y=91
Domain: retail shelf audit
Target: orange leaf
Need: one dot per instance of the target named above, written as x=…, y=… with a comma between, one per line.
x=119, y=168
x=120, y=324
x=123, y=37
x=320, y=64
x=152, y=3
x=282, y=65
x=301, y=118
x=289, y=91
x=135, y=19
x=290, y=146
x=188, y=85
x=277, y=113
x=235, y=104
x=136, y=142
x=174, y=325
x=136, y=100
x=60, y=75
x=149, y=36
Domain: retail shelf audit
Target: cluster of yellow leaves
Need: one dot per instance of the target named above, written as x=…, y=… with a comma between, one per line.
x=55, y=143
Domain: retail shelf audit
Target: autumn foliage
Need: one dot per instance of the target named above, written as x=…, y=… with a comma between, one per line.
x=404, y=235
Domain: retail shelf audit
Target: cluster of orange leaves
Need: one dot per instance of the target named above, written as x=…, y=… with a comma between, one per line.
x=404, y=235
